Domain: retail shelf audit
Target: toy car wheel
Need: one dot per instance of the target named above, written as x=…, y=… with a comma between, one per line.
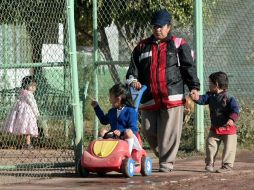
x=81, y=170
x=146, y=166
x=128, y=167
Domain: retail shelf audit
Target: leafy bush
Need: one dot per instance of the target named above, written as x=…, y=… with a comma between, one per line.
x=246, y=127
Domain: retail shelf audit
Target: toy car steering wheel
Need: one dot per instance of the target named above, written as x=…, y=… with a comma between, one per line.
x=110, y=135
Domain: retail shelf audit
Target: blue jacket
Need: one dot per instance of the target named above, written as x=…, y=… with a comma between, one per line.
x=222, y=107
x=127, y=119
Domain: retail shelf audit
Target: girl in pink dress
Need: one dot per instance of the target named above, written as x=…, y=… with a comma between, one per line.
x=22, y=120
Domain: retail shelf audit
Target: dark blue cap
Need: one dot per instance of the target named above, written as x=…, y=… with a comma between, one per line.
x=161, y=18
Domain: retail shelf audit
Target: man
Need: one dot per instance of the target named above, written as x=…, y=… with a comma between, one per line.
x=164, y=69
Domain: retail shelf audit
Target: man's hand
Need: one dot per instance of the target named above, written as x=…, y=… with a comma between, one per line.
x=136, y=85
x=194, y=94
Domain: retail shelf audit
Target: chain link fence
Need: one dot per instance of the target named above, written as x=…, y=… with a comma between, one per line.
x=228, y=46
x=34, y=41
x=117, y=36
x=121, y=25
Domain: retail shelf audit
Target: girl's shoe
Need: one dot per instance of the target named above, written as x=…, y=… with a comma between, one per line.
x=29, y=147
x=19, y=147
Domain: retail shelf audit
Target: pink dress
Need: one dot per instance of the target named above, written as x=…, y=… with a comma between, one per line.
x=23, y=116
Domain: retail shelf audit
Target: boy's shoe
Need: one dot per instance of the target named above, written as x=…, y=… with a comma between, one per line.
x=224, y=169
x=209, y=167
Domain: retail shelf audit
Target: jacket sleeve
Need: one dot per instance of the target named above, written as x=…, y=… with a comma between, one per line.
x=104, y=120
x=203, y=99
x=133, y=70
x=234, y=114
x=188, y=67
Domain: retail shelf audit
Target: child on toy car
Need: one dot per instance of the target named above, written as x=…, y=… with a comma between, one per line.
x=122, y=117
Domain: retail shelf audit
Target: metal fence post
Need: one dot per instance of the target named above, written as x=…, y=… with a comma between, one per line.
x=75, y=89
x=200, y=72
x=95, y=59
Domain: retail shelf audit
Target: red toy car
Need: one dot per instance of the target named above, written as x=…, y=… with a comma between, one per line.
x=106, y=155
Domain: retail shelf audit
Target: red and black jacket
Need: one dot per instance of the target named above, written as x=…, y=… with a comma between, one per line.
x=156, y=66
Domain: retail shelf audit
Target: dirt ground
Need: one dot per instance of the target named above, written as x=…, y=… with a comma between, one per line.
x=188, y=174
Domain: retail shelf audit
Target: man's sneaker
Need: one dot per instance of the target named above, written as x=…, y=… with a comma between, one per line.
x=166, y=170
x=224, y=169
x=209, y=167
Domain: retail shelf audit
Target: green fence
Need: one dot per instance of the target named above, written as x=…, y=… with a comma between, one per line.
x=229, y=43
x=36, y=38
x=227, y=46
x=117, y=28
